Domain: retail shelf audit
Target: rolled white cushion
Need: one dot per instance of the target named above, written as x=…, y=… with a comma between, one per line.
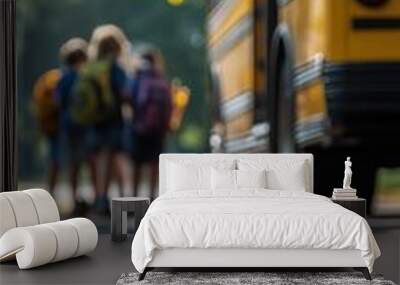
x=67, y=240
x=23, y=208
x=33, y=246
x=45, y=205
x=7, y=218
x=26, y=208
x=41, y=244
x=87, y=235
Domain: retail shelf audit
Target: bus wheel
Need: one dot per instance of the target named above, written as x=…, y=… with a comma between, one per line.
x=285, y=107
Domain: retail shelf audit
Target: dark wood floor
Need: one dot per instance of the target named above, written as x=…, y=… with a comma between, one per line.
x=110, y=259
x=103, y=266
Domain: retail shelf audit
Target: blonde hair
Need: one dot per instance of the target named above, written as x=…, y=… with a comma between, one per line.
x=73, y=50
x=110, y=40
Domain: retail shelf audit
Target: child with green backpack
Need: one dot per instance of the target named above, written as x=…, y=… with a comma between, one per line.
x=99, y=95
x=78, y=135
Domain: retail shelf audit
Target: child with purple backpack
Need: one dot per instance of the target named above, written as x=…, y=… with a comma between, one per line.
x=152, y=106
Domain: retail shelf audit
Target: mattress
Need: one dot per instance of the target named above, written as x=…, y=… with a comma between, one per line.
x=250, y=219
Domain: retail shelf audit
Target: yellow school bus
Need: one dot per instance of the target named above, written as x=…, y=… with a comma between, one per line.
x=306, y=75
x=298, y=73
x=237, y=47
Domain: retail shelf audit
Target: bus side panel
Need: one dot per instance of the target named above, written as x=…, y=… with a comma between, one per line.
x=235, y=69
x=232, y=52
x=307, y=23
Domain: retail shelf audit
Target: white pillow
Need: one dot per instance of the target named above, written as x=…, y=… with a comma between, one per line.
x=225, y=179
x=188, y=175
x=289, y=175
x=251, y=178
x=181, y=178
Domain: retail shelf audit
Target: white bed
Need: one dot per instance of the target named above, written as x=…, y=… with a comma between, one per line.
x=249, y=227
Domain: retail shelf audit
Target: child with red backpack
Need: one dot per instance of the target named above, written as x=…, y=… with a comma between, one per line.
x=152, y=110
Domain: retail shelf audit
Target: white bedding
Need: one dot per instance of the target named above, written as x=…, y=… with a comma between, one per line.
x=252, y=218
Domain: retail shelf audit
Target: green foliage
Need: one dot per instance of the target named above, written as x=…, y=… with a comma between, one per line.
x=43, y=25
x=192, y=138
x=388, y=180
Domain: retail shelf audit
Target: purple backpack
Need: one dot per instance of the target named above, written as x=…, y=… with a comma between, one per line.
x=154, y=106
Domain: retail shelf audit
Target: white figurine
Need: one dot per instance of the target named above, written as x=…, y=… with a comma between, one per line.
x=347, y=174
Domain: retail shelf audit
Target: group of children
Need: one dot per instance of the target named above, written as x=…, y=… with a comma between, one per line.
x=94, y=102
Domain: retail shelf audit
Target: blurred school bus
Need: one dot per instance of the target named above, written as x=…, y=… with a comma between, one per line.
x=293, y=74
x=320, y=76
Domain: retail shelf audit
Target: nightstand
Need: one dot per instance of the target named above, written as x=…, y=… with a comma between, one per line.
x=358, y=205
x=119, y=214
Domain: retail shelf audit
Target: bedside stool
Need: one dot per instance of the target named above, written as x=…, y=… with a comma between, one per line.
x=119, y=215
x=358, y=205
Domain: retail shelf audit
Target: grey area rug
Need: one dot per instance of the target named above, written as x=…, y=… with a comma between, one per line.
x=228, y=278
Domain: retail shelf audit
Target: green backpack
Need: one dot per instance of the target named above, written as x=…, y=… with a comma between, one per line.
x=93, y=100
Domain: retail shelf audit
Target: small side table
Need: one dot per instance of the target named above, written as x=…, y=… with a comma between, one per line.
x=119, y=215
x=358, y=205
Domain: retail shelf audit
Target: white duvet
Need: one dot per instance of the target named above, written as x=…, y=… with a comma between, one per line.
x=250, y=219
